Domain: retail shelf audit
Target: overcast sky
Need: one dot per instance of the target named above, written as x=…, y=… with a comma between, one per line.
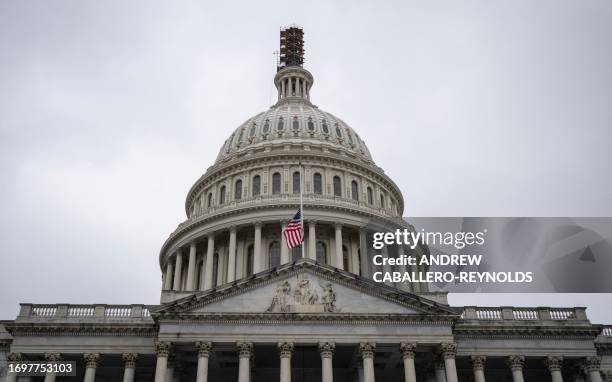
x=110, y=110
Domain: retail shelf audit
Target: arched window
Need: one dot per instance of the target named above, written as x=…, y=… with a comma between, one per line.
x=321, y=252
x=296, y=253
x=349, y=136
x=337, y=186
x=256, y=185
x=338, y=131
x=276, y=183
x=317, y=183
x=249, y=260
x=310, y=124
x=275, y=254
x=252, y=132
x=238, y=190
x=345, y=258
x=209, y=201
x=215, y=269
x=296, y=182
x=240, y=135
x=296, y=123
x=222, y=195
x=370, y=198
x=266, y=127
x=281, y=125
x=382, y=200
x=354, y=191
x=324, y=127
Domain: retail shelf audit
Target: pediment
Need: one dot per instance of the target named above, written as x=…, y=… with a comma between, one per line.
x=303, y=288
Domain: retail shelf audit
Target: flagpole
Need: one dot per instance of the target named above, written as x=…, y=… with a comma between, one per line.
x=302, y=208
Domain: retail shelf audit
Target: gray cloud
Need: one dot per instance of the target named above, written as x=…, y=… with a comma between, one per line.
x=110, y=110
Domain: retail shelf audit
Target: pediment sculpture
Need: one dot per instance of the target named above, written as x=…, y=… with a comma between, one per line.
x=303, y=297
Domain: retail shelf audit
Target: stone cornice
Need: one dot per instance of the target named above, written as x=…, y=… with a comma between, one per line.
x=514, y=330
x=93, y=330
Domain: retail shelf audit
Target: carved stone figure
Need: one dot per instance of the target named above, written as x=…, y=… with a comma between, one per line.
x=280, y=302
x=329, y=298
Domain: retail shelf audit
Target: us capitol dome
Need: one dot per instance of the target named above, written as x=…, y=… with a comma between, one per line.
x=237, y=210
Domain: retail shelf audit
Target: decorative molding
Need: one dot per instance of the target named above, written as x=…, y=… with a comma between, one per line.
x=478, y=362
x=327, y=349
x=77, y=330
x=285, y=349
x=407, y=349
x=130, y=359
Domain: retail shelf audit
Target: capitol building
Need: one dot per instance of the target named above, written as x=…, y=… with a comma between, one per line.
x=237, y=304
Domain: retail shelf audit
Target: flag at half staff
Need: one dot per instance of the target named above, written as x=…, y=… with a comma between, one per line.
x=294, y=233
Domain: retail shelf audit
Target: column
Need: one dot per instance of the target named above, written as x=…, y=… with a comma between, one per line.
x=257, y=264
x=178, y=267
x=231, y=261
x=354, y=256
x=515, y=362
x=408, y=350
x=439, y=368
x=478, y=364
x=129, y=362
x=284, y=249
x=592, y=365
x=286, y=350
x=91, y=363
x=448, y=352
x=363, y=253
x=191, y=267
x=339, y=254
x=12, y=357
x=244, y=352
x=312, y=240
x=553, y=363
x=51, y=357
x=204, y=349
x=366, y=349
x=162, y=349
x=327, y=352
x=169, y=272
x=210, y=253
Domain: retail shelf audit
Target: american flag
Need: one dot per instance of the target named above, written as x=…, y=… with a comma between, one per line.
x=294, y=234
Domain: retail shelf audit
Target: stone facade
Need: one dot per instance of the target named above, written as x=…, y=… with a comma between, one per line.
x=238, y=304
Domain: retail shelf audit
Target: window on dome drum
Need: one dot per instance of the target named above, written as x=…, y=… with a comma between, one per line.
x=317, y=183
x=354, y=191
x=382, y=200
x=296, y=182
x=310, y=125
x=266, y=127
x=345, y=258
x=370, y=198
x=209, y=201
x=215, y=268
x=249, y=260
x=256, y=185
x=240, y=135
x=296, y=123
x=324, y=127
x=252, y=132
x=222, y=195
x=338, y=131
x=296, y=253
x=349, y=136
x=238, y=190
x=280, y=126
x=276, y=183
x=275, y=254
x=337, y=186
x=321, y=252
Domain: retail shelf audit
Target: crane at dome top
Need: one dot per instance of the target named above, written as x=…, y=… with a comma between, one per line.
x=291, y=47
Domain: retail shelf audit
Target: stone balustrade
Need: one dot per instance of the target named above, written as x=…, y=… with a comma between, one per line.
x=80, y=312
x=524, y=314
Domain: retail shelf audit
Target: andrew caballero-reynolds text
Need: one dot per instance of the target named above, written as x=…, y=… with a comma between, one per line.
x=413, y=268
